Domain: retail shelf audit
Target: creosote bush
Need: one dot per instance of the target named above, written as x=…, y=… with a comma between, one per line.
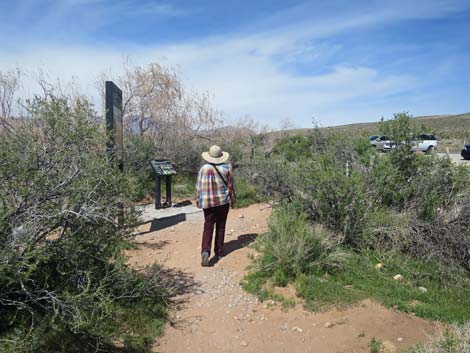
x=393, y=200
x=64, y=284
x=339, y=200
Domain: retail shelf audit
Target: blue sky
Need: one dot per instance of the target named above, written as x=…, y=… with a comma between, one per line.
x=337, y=61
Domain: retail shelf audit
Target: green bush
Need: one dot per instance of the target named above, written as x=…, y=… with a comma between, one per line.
x=64, y=285
x=345, y=186
x=184, y=185
x=138, y=151
x=247, y=194
x=338, y=200
x=293, y=246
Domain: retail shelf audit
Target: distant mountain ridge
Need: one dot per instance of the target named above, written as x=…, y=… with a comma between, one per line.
x=447, y=121
x=451, y=127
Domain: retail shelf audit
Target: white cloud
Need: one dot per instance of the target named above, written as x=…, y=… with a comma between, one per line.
x=241, y=79
x=254, y=73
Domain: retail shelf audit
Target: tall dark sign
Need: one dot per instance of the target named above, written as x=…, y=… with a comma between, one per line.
x=115, y=145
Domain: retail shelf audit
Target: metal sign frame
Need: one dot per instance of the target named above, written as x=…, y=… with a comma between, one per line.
x=162, y=169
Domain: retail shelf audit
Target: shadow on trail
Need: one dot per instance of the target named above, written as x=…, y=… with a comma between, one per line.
x=182, y=203
x=241, y=242
x=154, y=245
x=178, y=283
x=162, y=223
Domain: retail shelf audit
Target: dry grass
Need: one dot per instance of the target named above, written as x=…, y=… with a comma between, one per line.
x=455, y=339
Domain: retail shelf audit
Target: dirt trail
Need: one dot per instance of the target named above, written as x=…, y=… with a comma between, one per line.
x=216, y=315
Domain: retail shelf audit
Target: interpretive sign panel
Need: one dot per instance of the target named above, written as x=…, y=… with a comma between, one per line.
x=162, y=169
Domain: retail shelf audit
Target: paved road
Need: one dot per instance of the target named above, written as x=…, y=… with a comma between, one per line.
x=456, y=158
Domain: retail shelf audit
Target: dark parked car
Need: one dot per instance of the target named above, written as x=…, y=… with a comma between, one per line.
x=466, y=151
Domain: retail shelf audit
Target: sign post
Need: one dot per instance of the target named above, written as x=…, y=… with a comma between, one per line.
x=162, y=169
x=114, y=128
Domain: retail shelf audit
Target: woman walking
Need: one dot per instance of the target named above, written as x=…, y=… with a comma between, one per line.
x=215, y=195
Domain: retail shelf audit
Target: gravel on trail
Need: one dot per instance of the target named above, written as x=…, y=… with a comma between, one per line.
x=214, y=314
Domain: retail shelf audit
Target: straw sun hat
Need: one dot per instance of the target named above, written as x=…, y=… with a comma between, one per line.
x=215, y=155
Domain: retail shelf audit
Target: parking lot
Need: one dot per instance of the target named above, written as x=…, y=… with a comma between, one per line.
x=456, y=158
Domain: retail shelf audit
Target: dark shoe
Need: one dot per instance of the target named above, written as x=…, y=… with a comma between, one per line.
x=214, y=260
x=205, y=259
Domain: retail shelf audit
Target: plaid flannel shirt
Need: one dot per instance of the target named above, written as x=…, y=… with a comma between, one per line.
x=211, y=190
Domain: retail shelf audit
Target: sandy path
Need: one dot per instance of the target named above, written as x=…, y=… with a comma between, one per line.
x=218, y=316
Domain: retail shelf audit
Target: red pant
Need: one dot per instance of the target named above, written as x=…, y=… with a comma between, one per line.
x=218, y=216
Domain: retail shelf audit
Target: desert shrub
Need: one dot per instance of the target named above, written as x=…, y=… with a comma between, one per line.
x=389, y=186
x=293, y=148
x=408, y=205
x=335, y=196
x=137, y=153
x=446, y=238
x=293, y=246
x=386, y=229
x=247, y=193
x=271, y=177
x=64, y=285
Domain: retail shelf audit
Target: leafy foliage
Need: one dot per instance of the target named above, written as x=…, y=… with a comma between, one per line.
x=64, y=285
x=339, y=200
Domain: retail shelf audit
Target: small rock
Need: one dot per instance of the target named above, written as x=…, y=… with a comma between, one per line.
x=400, y=339
x=398, y=277
x=284, y=327
x=423, y=289
x=241, y=215
x=232, y=230
x=243, y=343
x=328, y=325
x=172, y=229
x=379, y=266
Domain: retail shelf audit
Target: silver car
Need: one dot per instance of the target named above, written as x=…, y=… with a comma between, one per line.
x=382, y=143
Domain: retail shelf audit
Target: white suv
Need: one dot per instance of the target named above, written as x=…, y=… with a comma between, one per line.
x=425, y=143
